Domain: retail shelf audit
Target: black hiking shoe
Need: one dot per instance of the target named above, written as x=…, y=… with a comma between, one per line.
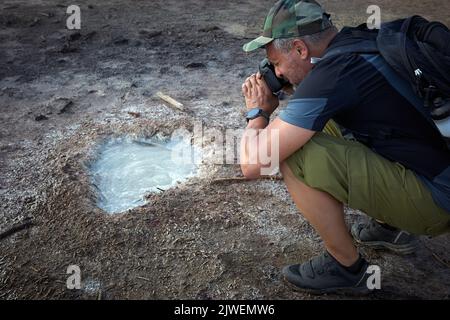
x=377, y=236
x=324, y=274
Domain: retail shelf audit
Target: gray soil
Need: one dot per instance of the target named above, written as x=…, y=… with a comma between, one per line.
x=63, y=92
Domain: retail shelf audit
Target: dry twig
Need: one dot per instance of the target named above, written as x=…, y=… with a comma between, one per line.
x=237, y=179
x=16, y=228
x=142, y=278
x=171, y=101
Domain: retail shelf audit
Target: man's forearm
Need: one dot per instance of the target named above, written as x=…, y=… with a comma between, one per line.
x=249, y=147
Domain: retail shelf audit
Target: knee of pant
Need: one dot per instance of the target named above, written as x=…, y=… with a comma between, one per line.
x=321, y=160
x=309, y=158
x=314, y=155
x=323, y=163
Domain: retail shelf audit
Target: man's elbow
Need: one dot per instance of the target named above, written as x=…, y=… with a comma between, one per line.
x=251, y=172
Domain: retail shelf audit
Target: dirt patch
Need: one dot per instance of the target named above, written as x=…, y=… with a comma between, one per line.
x=63, y=92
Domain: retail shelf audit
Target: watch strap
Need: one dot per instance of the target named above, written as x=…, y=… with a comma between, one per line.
x=261, y=113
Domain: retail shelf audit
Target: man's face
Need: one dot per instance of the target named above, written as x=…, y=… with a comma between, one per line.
x=293, y=65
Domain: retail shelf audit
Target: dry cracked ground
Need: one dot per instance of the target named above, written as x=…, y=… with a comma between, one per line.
x=64, y=92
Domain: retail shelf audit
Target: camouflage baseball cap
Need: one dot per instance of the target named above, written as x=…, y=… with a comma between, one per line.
x=291, y=18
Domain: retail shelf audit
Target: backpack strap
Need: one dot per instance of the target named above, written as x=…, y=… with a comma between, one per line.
x=366, y=43
x=363, y=47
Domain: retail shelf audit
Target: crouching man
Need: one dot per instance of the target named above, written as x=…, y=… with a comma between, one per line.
x=390, y=177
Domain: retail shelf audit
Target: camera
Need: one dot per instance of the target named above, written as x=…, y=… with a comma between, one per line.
x=438, y=104
x=274, y=83
x=440, y=113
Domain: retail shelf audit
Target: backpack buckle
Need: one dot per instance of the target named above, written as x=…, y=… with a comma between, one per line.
x=430, y=93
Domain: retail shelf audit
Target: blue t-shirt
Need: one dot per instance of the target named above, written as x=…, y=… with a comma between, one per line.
x=364, y=95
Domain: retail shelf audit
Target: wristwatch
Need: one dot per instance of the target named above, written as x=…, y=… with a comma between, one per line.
x=257, y=112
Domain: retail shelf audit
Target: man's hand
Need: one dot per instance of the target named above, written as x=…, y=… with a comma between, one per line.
x=258, y=95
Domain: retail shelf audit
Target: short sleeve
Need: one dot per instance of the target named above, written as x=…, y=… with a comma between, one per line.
x=325, y=92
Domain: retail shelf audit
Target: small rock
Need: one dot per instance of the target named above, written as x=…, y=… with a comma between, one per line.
x=35, y=22
x=134, y=114
x=40, y=117
x=74, y=36
x=209, y=29
x=65, y=104
x=67, y=48
x=120, y=41
x=150, y=34
x=195, y=65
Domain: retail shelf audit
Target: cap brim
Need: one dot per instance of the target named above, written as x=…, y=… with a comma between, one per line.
x=257, y=43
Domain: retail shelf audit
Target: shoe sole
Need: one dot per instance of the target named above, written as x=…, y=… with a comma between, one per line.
x=397, y=248
x=348, y=291
x=402, y=249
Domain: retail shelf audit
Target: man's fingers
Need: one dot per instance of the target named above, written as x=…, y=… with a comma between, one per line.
x=253, y=81
x=263, y=84
x=257, y=85
x=252, y=88
x=244, y=89
x=250, y=81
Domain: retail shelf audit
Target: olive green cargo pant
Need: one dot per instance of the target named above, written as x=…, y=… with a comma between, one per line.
x=364, y=180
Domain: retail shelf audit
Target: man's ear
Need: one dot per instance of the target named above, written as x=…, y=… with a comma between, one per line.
x=301, y=48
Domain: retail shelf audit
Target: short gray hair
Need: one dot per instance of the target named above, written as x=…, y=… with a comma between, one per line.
x=286, y=44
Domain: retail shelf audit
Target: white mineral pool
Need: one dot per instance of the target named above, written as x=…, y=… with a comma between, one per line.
x=128, y=169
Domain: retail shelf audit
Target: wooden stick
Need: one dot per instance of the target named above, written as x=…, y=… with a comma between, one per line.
x=171, y=101
x=16, y=228
x=237, y=179
x=142, y=278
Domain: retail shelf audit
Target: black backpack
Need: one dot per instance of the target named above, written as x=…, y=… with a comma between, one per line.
x=418, y=50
